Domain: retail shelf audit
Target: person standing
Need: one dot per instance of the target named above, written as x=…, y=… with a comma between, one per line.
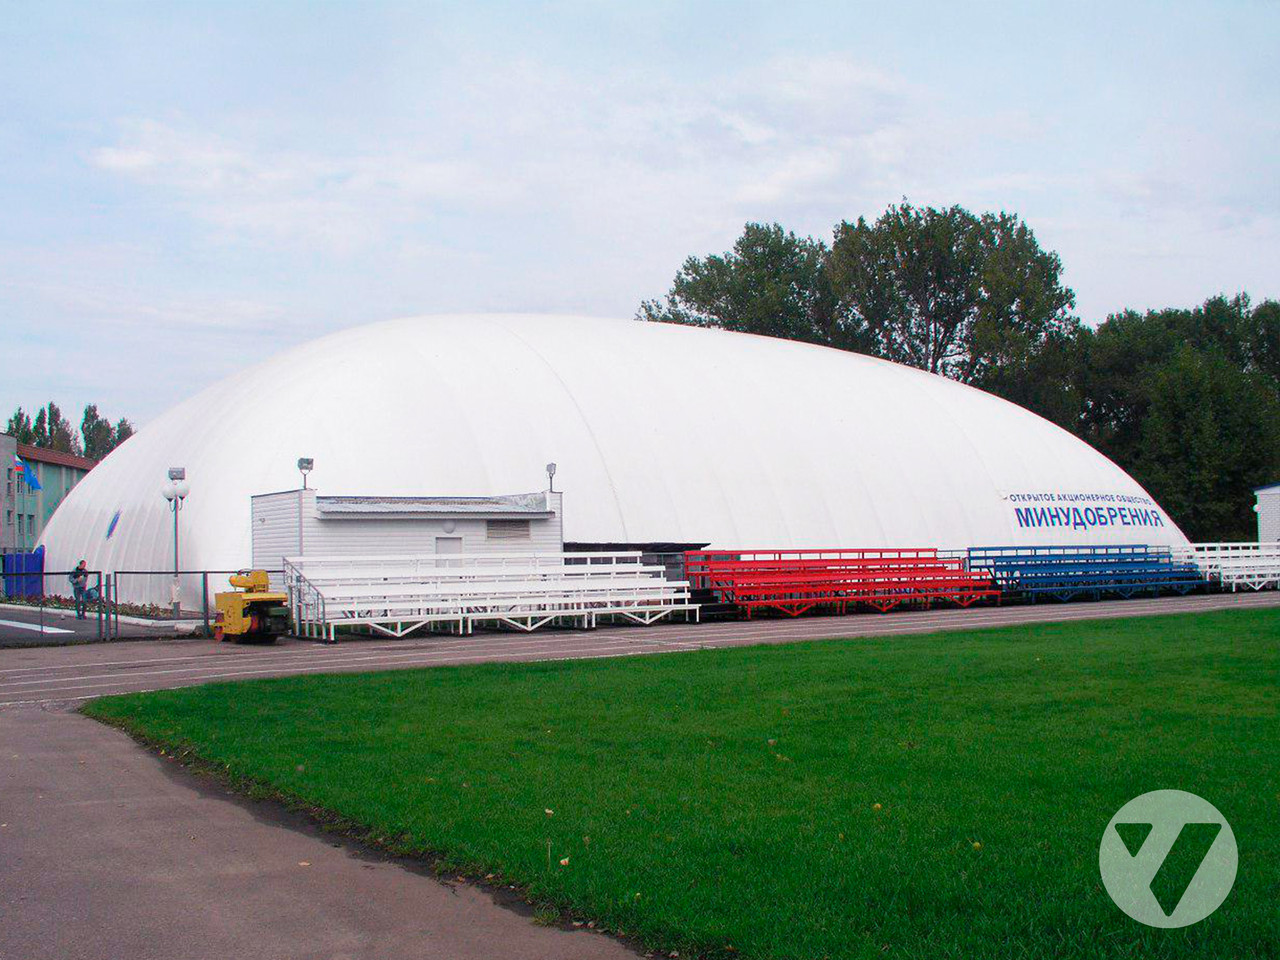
x=80, y=586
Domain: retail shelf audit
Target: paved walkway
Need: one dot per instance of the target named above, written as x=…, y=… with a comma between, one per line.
x=107, y=851
x=22, y=625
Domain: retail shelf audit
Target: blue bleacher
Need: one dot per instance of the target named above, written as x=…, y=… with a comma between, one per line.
x=1065, y=572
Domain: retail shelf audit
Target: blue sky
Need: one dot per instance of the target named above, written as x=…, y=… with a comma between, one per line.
x=184, y=186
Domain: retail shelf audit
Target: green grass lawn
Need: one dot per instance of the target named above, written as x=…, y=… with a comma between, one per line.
x=930, y=796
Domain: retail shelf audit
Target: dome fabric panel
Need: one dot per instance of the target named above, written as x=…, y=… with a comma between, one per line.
x=660, y=433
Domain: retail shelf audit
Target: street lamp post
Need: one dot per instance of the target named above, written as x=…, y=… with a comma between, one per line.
x=175, y=491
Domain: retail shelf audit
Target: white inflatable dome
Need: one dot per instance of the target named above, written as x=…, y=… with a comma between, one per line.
x=661, y=433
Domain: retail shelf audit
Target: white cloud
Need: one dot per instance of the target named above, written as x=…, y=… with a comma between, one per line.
x=103, y=302
x=337, y=200
x=522, y=139
x=535, y=186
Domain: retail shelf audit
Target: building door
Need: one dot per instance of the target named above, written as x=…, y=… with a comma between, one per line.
x=447, y=545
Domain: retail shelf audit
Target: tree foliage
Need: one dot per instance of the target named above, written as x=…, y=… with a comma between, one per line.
x=771, y=283
x=123, y=431
x=20, y=426
x=53, y=431
x=97, y=433
x=1185, y=400
x=948, y=291
x=50, y=430
x=100, y=437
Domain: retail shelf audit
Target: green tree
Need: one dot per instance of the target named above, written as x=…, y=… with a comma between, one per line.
x=1211, y=435
x=96, y=431
x=1180, y=399
x=1264, y=331
x=100, y=437
x=123, y=431
x=969, y=297
x=20, y=427
x=772, y=283
x=52, y=431
x=1046, y=379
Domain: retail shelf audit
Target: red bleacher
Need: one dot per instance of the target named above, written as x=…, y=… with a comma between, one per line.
x=795, y=581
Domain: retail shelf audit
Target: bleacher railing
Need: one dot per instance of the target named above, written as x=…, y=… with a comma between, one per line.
x=1232, y=565
x=1067, y=571
x=796, y=581
x=400, y=594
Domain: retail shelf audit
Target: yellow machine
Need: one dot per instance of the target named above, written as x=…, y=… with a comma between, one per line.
x=252, y=612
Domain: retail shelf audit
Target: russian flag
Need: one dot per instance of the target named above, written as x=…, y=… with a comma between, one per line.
x=28, y=472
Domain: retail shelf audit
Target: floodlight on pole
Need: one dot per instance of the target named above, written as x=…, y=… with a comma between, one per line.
x=551, y=478
x=305, y=466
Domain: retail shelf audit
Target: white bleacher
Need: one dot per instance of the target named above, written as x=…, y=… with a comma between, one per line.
x=396, y=595
x=1248, y=564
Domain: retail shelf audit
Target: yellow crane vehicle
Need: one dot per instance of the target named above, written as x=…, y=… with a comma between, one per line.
x=252, y=612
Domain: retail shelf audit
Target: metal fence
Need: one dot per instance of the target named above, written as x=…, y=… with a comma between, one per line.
x=52, y=597
x=120, y=602
x=131, y=592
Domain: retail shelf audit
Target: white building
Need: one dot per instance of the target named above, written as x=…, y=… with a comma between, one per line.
x=662, y=433
x=296, y=523
x=1268, y=510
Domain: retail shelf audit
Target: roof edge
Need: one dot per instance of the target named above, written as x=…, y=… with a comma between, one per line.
x=56, y=457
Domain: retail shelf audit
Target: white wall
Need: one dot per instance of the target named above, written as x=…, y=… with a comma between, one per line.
x=1268, y=508
x=288, y=524
x=277, y=526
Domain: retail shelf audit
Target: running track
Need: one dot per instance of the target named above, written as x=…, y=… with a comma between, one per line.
x=48, y=675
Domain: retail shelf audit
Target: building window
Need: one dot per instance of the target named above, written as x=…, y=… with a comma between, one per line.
x=507, y=530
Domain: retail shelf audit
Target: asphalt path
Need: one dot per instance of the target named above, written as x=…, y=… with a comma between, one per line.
x=108, y=851
x=22, y=625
